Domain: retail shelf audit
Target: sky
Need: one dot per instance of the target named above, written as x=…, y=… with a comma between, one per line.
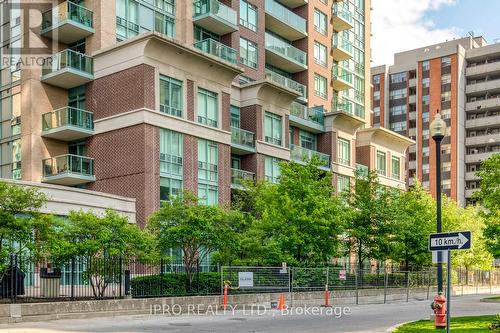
x=401, y=25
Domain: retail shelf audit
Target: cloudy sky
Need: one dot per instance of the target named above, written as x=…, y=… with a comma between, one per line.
x=399, y=25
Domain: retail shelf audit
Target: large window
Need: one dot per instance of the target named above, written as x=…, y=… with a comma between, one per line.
x=398, y=126
x=426, y=82
x=272, y=169
x=248, y=15
x=235, y=116
x=343, y=183
x=397, y=110
x=320, y=22
x=208, y=110
x=320, y=52
x=396, y=168
x=171, y=96
x=273, y=128
x=344, y=151
x=381, y=163
x=398, y=93
x=320, y=86
x=400, y=77
x=171, y=162
x=445, y=61
x=208, y=176
x=426, y=65
x=248, y=53
x=308, y=140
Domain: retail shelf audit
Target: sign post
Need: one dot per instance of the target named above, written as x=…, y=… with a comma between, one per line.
x=450, y=241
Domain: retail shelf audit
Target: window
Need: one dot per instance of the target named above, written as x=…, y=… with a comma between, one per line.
x=446, y=114
x=343, y=183
x=398, y=93
x=376, y=111
x=376, y=95
x=426, y=100
x=208, y=110
x=446, y=96
x=400, y=77
x=344, y=151
x=320, y=86
x=245, y=79
x=169, y=188
x=235, y=116
x=171, y=96
x=425, y=151
x=16, y=159
x=272, y=169
x=445, y=61
x=273, y=128
x=396, y=167
x=446, y=79
x=248, y=53
x=446, y=166
x=426, y=65
x=171, y=153
x=381, y=163
x=397, y=110
x=320, y=22
x=248, y=15
x=425, y=168
x=376, y=79
x=425, y=117
x=425, y=134
x=426, y=82
x=320, y=54
x=308, y=140
x=208, y=157
x=398, y=126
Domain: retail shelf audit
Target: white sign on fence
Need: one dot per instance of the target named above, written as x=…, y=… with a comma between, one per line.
x=245, y=279
x=342, y=275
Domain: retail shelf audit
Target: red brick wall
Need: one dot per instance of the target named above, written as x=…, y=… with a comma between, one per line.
x=249, y=163
x=325, y=143
x=190, y=167
x=295, y=136
x=226, y=113
x=260, y=174
x=127, y=164
x=128, y=90
x=435, y=105
x=287, y=130
x=224, y=175
x=454, y=126
x=190, y=100
x=363, y=155
x=251, y=120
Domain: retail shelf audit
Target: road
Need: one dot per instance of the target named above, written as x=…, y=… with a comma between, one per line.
x=364, y=318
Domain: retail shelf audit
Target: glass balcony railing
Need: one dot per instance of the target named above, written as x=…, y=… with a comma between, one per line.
x=67, y=11
x=339, y=9
x=217, y=49
x=242, y=137
x=285, y=49
x=67, y=116
x=215, y=8
x=68, y=59
x=287, y=82
x=240, y=177
x=68, y=164
x=342, y=104
x=362, y=170
x=340, y=73
x=342, y=43
x=286, y=15
x=302, y=154
x=314, y=114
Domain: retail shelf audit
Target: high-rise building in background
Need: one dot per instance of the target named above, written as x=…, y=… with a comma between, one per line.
x=461, y=80
x=145, y=98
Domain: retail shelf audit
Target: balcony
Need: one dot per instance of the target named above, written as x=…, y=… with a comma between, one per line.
x=341, y=78
x=362, y=170
x=289, y=83
x=214, y=16
x=412, y=99
x=241, y=177
x=492, y=86
x=310, y=119
x=485, y=104
x=342, y=48
x=67, y=23
x=283, y=55
x=284, y=22
x=482, y=122
x=341, y=17
x=471, y=176
x=293, y=3
x=242, y=141
x=343, y=105
x=470, y=193
x=67, y=124
x=489, y=68
x=303, y=155
x=68, y=69
x=217, y=49
x=68, y=170
x=483, y=139
x=412, y=115
x=478, y=157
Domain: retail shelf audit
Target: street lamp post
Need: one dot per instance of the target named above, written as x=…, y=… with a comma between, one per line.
x=437, y=132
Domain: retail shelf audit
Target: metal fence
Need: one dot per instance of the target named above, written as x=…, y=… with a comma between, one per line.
x=23, y=279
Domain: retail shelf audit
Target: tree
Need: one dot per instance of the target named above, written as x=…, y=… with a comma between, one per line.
x=198, y=230
x=414, y=221
x=489, y=196
x=297, y=220
x=370, y=223
x=102, y=241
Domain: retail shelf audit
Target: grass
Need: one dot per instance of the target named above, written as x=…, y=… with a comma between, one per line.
x=459, y=324
x=496, y=298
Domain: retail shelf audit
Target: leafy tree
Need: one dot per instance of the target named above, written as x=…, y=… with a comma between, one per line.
x=199, y=230
x=370, y=223
x=414, y=221
x=297, y=220
x=489, y=196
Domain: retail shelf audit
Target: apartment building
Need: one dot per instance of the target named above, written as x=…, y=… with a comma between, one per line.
x=461, y=80
x=143, y=98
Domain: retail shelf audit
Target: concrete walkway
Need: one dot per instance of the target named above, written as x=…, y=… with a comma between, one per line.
x=364, y=318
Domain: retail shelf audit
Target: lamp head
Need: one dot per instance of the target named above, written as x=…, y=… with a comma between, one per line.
x=437, y=127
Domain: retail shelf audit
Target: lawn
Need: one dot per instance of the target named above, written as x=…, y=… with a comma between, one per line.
x=459, y=324
x=496, y=298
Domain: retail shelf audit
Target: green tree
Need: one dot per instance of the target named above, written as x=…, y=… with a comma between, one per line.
x=489, y=196
x=198, y=230
x=414, y=221
x=297, y=220
x=370, y=223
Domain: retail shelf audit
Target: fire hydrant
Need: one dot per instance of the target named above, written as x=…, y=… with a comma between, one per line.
x=439, y=307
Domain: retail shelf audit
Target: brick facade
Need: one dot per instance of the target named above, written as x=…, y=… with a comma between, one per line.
x=224, y=175
x=190, y=164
